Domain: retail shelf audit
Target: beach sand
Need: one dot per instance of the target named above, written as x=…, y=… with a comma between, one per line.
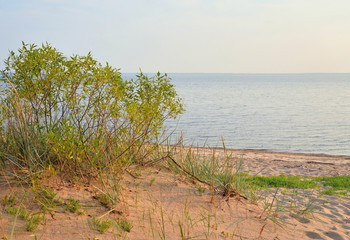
x=159, y=203
x=267, y=163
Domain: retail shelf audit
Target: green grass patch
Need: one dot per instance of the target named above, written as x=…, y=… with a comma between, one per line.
x=332, y=191
x=283, y=181
x=337, y=182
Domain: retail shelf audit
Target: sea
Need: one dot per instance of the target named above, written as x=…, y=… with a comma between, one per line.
x=302, y=113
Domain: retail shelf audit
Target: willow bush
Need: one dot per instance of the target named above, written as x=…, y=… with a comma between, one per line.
x=76, y=115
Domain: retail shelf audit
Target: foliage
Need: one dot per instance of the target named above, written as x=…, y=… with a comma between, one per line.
x=125, y=225
x=73, y=205
x=45, y=197
x=76, y=114
x=336, y=182
x=33, y=222
x=9, y=200
x=104, y=199
x=100, y=225
x=283, y=181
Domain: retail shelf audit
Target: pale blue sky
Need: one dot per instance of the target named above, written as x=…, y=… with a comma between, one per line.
x=237, y=36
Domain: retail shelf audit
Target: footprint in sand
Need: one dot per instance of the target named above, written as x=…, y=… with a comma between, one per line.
x=300, y=219
x=336, y=213
x=334, y=235
x=347, y=212
x=313, y=235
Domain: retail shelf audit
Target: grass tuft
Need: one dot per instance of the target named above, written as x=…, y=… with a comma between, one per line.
x=100, y=225
x=125, y=225
x=33, y=222
x=73, y=205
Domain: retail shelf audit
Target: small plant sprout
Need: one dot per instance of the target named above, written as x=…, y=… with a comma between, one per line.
x=125, y=225
x=99, y=225
x=73, y=205
x=200, y=189
x=104, y=199
x=152, y=181
x=9, y=200
x=33, y=222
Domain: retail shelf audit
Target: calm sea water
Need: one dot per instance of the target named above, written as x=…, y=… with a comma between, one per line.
x=307, y=113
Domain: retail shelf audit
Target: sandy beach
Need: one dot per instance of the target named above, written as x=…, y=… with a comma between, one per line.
x=162, y=205
x=267, y=163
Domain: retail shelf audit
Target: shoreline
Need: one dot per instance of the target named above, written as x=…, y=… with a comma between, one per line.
x=279, y=152
x=270, y=163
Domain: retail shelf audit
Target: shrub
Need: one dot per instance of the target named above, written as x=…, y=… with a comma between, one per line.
x=76, y=114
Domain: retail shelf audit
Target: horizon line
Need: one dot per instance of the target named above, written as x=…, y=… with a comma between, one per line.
x=239, y=73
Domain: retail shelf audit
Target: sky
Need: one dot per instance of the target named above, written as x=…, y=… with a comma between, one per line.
x=187, y=36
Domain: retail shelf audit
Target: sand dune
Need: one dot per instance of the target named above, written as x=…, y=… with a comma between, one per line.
x=159, y=203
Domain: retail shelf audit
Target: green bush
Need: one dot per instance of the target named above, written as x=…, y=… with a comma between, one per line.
x=77, y=115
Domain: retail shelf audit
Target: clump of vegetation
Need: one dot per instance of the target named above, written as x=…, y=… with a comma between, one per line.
x=73, y=205
x=76, y=115
x=45, y=197
x=9, y=200
x=200, y=189
x=32, y=219
x=11, y=210
x=9, y=203
x=125, y=225
x=104, y=199
x=33, y=222
x=24, y=214
x=79, y=120
x=100, y=225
